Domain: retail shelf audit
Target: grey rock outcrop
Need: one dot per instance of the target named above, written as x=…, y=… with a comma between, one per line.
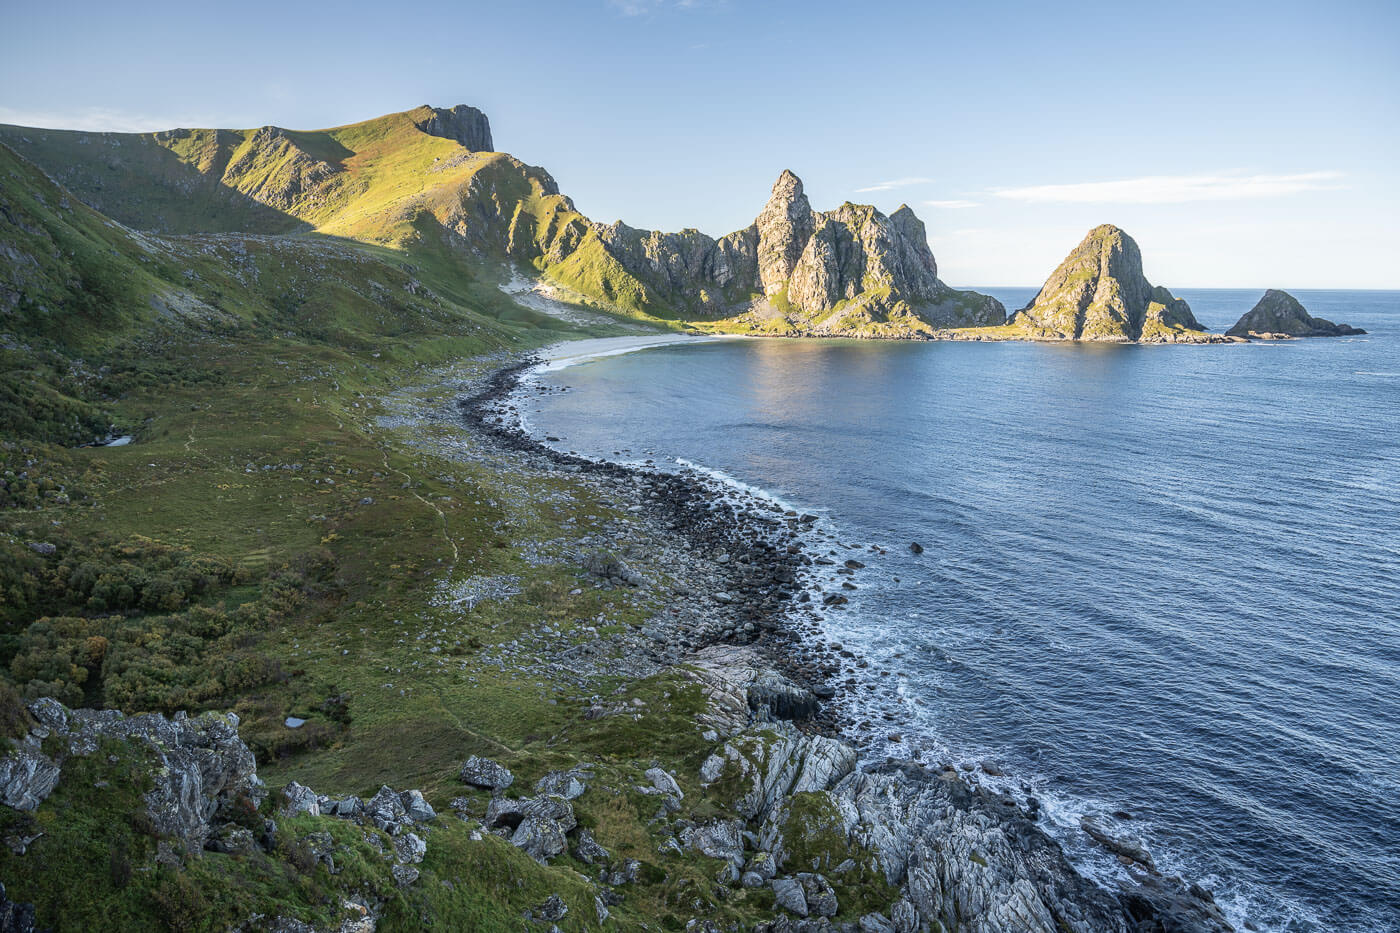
x=783, y=228
x=199, y=765
x=15, y=917
x=462, y=124
x=567, y=784
x=485, y=773
x=27, y=777
x=1279, y=314
x=1099, y=293
x=772, y=762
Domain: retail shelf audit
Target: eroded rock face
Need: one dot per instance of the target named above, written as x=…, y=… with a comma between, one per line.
x=465, y=125
x=772, y=762
x=200, y=765
x=784, y=227
x=1280, y=314
x=1100, y=293
x=801, y=265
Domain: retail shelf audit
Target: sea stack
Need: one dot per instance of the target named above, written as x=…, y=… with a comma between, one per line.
x=1279, y=315
x=1099, y=293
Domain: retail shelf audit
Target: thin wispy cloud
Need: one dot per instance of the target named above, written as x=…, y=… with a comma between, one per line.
x=95, y=120
x=1174, y=189
x=954, y=205
x=893, y=184
x=642, y=7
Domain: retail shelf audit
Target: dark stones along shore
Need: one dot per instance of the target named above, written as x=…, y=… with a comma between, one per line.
x=918, y=819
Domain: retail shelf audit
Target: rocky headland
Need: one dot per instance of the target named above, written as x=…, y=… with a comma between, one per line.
x=1280, y=316
x=1099, y=293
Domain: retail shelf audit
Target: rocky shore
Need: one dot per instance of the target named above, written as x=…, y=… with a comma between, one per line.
x=761, y=805
x=962, y=856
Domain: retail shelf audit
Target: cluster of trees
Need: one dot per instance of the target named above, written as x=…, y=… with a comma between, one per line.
x=140, y=625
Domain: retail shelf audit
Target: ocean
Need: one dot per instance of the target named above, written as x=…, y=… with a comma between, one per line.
x=1161, y=582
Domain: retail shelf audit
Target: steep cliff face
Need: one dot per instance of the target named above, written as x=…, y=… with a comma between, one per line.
x=1100, y=293
x=1279, y=314
x=464, y=125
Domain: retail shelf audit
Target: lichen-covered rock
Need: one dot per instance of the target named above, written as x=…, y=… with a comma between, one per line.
x=766, y=764
x=544, y=824
x=199, y=765
x=1280, y=314
x=662, y=783
x=386, y=810
x=485, y=773
x=567, y=784
x=298, y=798
x=821, y=899
x=1099, y=293
x=717, y=839
x=27, y=777
x=416, y=808
x=790, y=896
x=587, y=849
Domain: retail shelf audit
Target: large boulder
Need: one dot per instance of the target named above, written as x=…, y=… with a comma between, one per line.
x=545, y=822
x=485, y=773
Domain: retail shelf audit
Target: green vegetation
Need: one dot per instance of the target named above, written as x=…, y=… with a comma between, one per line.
x=279, y=536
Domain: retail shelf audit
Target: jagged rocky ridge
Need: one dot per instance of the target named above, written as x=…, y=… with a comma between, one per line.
x=1099, y=293
x=1280, y=315
x=849, y=270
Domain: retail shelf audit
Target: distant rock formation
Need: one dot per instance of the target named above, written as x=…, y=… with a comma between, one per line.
x=1279, y=315
x=466, y=125
x=852, y=270
x=1100, y=293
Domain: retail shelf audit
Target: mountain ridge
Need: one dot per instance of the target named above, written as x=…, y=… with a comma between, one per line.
x=427, y=178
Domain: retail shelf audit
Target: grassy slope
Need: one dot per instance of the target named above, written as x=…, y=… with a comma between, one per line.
x=264, y=386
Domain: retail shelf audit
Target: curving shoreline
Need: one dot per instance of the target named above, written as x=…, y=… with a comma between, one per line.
x=943, y=843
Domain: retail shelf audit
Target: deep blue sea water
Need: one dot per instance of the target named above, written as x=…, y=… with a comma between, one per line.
x=1164, y=580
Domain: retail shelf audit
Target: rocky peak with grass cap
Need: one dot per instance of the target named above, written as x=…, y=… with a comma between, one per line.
x=1279, y=314
x=1100, y=293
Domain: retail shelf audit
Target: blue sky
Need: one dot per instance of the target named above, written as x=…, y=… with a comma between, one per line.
x=1242, y=144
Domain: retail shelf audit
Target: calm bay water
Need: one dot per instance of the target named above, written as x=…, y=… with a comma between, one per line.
x=1164, y=580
